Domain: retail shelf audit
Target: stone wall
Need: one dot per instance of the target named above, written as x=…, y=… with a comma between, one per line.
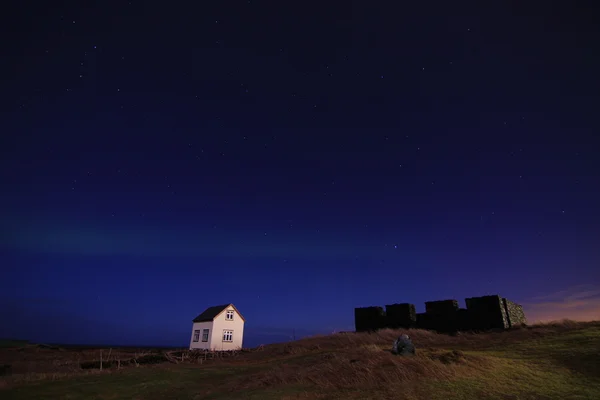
x=482, y=313
x=441, y=307
x=369, y=319
x=401, y=316
x=515, y=313
x=425, y=321
x=463, y=320
x=487, y=312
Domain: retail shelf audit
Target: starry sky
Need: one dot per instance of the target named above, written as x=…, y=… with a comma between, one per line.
x=297, y=159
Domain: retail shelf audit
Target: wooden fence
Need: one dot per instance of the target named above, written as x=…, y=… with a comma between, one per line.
x=111, y=360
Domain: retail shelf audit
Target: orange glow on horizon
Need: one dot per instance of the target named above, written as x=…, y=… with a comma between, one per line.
x=578, y=303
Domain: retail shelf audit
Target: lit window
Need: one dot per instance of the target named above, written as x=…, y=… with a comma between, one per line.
x=228, y=336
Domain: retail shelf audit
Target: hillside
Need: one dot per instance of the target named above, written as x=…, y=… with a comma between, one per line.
x=550, y=361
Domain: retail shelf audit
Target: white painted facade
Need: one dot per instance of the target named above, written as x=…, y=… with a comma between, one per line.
x=225, y=331
x=199, y=328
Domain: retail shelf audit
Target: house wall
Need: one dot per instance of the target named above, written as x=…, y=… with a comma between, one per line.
x=221, y=324
x=200, y=344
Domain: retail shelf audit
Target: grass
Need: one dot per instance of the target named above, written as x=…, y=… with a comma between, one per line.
x=550, y=361
x=12, y=343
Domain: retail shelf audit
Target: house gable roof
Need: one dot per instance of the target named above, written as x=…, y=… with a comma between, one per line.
x=212, y=312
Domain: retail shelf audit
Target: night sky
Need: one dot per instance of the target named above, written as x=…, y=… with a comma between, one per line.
x=297, y=159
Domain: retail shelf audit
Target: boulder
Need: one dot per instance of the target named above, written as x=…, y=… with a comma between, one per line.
x=403, y=346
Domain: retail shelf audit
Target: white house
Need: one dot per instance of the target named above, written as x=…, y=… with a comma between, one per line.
x=218, y=328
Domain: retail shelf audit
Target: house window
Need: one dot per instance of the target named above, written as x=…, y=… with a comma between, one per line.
x=196, y=335
x=229, y=315
x=205, y=335
x=227, y=336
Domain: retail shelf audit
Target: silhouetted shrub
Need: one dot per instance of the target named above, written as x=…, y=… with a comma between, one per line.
x=152, y=359
x=5, y=369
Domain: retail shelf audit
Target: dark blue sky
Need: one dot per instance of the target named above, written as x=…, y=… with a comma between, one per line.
x=297, y=161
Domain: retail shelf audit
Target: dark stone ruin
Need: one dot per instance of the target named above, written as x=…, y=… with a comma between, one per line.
x=444, y=316
x=487, y=313
x=369, y=319
x=441, y=316
x=441, y=307
x=515, y=313
x=400, y=316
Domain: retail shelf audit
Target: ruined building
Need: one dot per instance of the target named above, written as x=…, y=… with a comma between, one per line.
x=482, y=313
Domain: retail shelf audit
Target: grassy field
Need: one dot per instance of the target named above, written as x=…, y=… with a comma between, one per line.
x=10, y=343
x=550, y=361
